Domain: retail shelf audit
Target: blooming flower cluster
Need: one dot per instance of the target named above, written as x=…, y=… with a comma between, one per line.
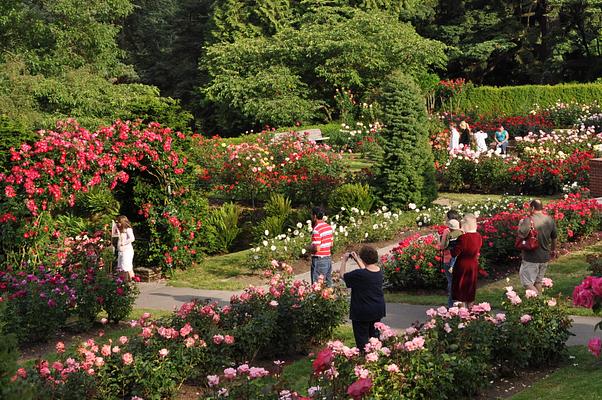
x=589, y=295
x=349, y=226
x=291, y=165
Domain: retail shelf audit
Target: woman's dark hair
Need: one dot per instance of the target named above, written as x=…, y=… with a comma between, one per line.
x=368, y=254
x=453, y=214
x=318, y=212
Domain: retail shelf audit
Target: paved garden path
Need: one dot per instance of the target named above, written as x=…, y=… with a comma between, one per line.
x=159, y=296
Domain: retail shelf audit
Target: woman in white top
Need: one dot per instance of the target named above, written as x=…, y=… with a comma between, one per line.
x=454, y=141
x=125, y=258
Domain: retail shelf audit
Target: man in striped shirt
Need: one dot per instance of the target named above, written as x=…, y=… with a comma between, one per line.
x=321, y=245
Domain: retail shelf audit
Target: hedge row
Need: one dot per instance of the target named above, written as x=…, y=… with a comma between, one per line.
x=519, y=100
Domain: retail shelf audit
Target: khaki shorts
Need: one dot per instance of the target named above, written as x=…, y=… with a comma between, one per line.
x=532, y=273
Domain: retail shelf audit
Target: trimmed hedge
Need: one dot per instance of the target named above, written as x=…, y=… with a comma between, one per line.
x=519, y=100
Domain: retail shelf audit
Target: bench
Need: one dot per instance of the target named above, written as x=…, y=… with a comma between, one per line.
x=313, y=135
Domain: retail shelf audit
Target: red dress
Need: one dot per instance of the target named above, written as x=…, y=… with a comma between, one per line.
x=466, y=269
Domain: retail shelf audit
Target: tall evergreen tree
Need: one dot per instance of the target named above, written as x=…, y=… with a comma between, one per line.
x=406, y=172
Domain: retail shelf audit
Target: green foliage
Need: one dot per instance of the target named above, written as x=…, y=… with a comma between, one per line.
x=351, y=195
x=283, y=78
x=8, y=362
x=406, y=173
x=277, y=210
x=519, y=100
x=223, y=226
x=33, y=102
x=53, y=35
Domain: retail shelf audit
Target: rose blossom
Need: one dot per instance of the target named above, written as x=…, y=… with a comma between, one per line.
x=213, y=380
x=531, y=293
x=163, y=352
x=123, y=340
x=218, y=339
x=525, y=318
x=60, y=347
x=594, y=346
x=552, y=302
x=229, y=339
x=359, y=388
x=106, y=350
x=393, y=368
x=127, y=358
x=229, y=373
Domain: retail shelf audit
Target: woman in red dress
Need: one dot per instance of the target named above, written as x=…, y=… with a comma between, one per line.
x=465, y=273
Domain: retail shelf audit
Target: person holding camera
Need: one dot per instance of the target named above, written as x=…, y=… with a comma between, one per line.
x=367, y=296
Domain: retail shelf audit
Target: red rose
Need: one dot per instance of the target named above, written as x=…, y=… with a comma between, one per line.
x=359, y=388
x=323, y=361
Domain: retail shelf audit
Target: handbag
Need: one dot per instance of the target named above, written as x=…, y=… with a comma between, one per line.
x=530, y=242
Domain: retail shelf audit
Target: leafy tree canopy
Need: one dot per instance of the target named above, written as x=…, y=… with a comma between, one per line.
x=301, y=64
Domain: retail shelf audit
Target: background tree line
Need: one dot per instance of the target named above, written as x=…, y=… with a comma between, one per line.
x=234, y=65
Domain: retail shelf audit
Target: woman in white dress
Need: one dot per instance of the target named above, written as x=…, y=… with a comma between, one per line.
x=125, y=258
x=454, y=140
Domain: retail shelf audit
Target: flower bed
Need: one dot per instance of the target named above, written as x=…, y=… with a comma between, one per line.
x=453, y=354
x=290, y=165
x=349, y=226
x=40, y=303
x=416, y=262
x=197, y=340
x=541, y=163
x=73, y=179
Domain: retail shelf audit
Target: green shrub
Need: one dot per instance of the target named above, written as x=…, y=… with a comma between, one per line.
x=223, y=225
x=8, y=363
x=519, y=100
x=406, y=173
x=351, y=195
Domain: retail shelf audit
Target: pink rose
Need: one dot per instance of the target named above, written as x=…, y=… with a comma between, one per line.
x=530, y=293
x=163, y=353
x=229, y=373
x=212, y=380
x=525, y=319
x=189, y=342
x=583, y=297
x=123, y=340
x=597, y=286
x=147, y=333
x=218, y=339
x=99, y=362
x=106, y=350
x=60, y=347
x=547, y=282
x=127, y=358
x=115, y=349
x=229, y=339
x=393, y=368
x=594, y=345
x=185, y=330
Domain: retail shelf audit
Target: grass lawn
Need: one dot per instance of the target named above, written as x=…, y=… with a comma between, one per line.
x=225, y=272
x=463, y=198
x=355, y=163
x=579, y=379
x=566, y=272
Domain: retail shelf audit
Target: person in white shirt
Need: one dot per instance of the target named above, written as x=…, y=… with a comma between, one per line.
x=480, y=137
x=454, y=141
x=125, y=257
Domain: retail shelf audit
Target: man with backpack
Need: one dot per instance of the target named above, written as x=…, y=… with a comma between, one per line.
x=536, y=253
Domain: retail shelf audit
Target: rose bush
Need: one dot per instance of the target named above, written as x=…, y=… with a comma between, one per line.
x=589, y=295
x=287, y=317
x=290, y=165
x=48, y=189
x=39, y=303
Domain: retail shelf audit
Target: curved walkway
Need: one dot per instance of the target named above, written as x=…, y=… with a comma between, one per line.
x=159, y=296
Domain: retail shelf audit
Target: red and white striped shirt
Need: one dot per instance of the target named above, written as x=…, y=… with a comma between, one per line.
x=321, y=238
